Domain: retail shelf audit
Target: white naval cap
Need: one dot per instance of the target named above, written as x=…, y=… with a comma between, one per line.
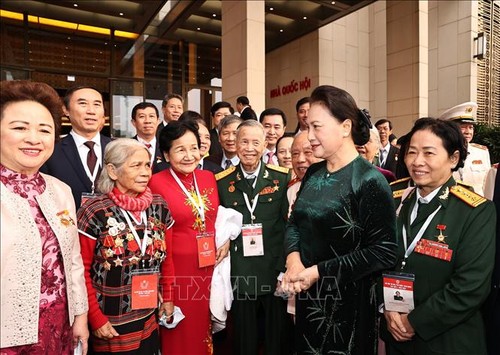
x=463, y=113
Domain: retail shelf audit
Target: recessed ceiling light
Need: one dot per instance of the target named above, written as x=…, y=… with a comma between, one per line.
x=281, y=30
x=214, y=15
x=271, y=9
x=333, y=2
x=75, y=5
x=199, y=29
x=305, y=17
x=121, y=13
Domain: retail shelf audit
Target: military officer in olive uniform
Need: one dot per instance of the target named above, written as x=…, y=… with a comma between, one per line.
x=446, y=238
x=258, y=191
x=477, y=163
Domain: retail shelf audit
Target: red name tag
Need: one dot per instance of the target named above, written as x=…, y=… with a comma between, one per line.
x=206, y=249
x=144, y=291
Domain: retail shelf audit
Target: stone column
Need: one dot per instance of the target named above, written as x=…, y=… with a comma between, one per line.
x=243, y=52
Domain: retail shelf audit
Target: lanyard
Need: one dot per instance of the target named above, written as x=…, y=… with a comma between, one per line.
x=93, y=176
x=199, y=207
x=409, y=250
x=134, y=232
x=251, y=209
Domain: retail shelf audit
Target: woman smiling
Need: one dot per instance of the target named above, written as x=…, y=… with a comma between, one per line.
x=125, y=236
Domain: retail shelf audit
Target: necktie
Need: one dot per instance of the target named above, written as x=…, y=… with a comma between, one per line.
x=91, y=156
x=229, y=163
x=250, y=180
x=147, y=145
x=270, y=156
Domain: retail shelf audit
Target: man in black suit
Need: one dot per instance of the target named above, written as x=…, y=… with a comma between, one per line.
x=388, y=156
x=218, y=111
x=172, y=108
x=145, y=119
x=228, y=127
x=244, y=108
x=78, y=157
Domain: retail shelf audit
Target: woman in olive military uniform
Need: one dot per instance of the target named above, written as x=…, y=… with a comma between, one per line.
x=446, y=241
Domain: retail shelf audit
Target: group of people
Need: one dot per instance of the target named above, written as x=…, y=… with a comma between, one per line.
x=117, y=241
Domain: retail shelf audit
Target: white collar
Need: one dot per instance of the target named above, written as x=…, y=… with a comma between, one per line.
x=429, y=197
x=386, y=147
x=234, y=160
x=79, y=140
x=152, y=141
x=255, y=173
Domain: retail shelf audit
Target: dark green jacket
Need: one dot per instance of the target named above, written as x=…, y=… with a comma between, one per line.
x=257, y=275
x=448, y=295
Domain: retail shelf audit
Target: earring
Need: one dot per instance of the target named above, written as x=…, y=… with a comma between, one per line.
x=345, y=134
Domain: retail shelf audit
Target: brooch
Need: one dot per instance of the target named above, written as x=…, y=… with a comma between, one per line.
x=65, y=218
x=231, y=187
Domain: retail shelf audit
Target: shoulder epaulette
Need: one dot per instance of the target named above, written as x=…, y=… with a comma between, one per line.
x=400, y=180
x=293, y=181
x=224, y=173
x=398, y=193
x=483, y=147
x=281, y=169
x=469, y=197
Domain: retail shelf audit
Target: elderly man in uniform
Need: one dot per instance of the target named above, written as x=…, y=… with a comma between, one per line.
x=477, y=162
x=258, y=191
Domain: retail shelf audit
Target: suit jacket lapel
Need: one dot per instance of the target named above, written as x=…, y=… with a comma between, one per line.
x=69, y=149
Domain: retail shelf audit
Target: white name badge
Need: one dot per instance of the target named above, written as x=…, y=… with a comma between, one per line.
x=253, y=243
x=398, y=292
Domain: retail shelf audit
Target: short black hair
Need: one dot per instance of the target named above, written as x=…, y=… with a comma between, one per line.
x=175, y=130
x=243, y=100
x=169, y=97
x=218, y=105
x=302, y=101
x=382, y=121
x=285, y=135
x=271, y=112
x=142, y=106
x=449, y=132
x=71, y=91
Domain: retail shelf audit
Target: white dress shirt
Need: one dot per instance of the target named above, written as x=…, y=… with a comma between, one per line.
x=83, y=150
x=152, y=148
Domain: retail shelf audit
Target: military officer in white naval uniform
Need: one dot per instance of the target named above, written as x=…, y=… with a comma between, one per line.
x=477, y=163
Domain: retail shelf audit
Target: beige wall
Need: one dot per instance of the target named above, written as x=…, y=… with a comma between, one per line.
x=400, y=59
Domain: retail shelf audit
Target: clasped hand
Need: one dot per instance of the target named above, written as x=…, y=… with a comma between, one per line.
x=298, y=278
x=399, y=326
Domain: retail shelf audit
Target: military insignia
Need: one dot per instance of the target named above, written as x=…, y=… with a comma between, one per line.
x=134, y=260
x=444, y=195
x=397, y=194
x=441, y=237
x=281, y=169
x=231, y=187
x=224, y=173
x=106, y=265
x=266, y=190
x=238, y=176
x=468, y=109
x=467, y=196
x=266, y=174
x=276, y=187
x=158, y=160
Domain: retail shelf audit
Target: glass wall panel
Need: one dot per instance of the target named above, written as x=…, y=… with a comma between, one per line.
x=125, y=95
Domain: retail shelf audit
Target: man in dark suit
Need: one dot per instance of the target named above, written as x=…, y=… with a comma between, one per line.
x=218, y=111
x=78, y=157
x=172, y=108
x=244, y=108
x=145, y=119
x=227, y=138
x=258, y=191
x=388, y=156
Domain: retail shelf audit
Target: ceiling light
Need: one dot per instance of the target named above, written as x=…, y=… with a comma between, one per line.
x=75, y=5
x=271, y=8
x=199, y=29
x=281, y=30
x=305, y=17
x=214, y=15
x=121, y=13
x=333, y=2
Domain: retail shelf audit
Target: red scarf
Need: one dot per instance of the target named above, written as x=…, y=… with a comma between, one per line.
x=134, y=205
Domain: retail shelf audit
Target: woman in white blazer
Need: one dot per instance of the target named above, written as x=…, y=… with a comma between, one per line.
x=44, y=298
